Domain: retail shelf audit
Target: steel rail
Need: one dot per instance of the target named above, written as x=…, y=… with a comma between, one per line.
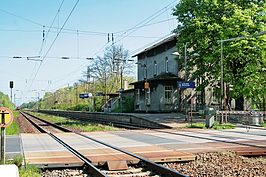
x=32, y=122
x=87, y=162
x=122, y=125
x=150, y=164
x=92, y=168
x=50, y=123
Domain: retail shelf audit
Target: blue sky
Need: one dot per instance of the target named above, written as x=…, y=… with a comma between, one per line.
x=21, y=28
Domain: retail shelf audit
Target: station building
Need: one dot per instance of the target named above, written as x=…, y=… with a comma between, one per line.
x=159, y=71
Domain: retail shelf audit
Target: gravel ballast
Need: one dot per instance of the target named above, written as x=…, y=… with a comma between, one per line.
x=222, y=164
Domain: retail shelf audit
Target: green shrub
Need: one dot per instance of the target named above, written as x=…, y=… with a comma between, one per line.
x=216, y=126
x=13, y=129
x=17, y=160
x=30, y=171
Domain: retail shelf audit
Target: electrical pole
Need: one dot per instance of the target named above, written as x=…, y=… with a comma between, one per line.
x=185, y=62
x=222, y=85
x=121, y=86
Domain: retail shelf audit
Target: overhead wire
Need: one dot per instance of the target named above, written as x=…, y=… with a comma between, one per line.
x=143, y=21
x=127, y=33
x=45, y=37
x=23, y=18
x=47, y=34
x=138, y=26
x=84, y=32
x=72, y=10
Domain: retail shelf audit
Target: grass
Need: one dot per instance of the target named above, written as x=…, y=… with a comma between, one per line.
x=13, y=129
x=216, y=126
x=28, y=171
x=196, y=125
x=264, y=124
x=75, y=124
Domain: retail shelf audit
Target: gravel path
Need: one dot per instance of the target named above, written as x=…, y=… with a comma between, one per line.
x=25, y=125
x=222, y=164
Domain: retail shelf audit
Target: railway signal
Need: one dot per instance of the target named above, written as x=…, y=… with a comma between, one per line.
x=11, y=86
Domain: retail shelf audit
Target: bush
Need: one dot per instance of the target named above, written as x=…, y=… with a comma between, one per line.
x=30, y=171
x=17, y=160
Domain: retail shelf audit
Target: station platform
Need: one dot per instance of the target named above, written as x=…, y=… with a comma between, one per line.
x=160, y=146
x=171, y=120
x=144, y=120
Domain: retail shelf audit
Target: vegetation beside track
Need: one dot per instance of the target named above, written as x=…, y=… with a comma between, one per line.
x=25, y=171
x=216, y=126
x=13, y=129
x=30, y=170
x=84, y=126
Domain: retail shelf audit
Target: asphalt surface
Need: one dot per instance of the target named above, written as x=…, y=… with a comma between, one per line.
x=13, y=146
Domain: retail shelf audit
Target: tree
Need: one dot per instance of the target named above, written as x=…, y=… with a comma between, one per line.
x=107, y=69
x=104, y=80
x=5, y=101
x=202, y=23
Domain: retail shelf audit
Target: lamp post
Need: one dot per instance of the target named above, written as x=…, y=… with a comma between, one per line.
x=180, y=92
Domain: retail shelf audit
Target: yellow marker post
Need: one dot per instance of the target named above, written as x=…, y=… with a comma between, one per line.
x=6, y=118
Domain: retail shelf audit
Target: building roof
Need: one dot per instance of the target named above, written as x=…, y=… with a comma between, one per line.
x=158, y=43
x=160, y=77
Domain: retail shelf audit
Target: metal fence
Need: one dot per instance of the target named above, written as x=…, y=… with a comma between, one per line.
x=242, y=117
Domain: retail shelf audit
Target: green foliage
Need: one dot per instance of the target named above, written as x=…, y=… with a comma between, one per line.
x=30, y=105
x=17, y=160
x=203, y=23
x=106, y=73
x=75, y=124
x=80, y=107
x=30, y=171
x=13, y=129
x=216, y=126
x=200, y=125
x=5, y=101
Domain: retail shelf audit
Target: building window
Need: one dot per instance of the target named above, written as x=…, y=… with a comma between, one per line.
x=145, y=72
x=166, y=65
x=138, y=96
x=155, y=68
x=168, y=93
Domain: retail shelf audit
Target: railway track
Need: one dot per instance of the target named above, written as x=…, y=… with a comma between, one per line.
x=263, y=148
x=213, y=139
x=144, y=168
